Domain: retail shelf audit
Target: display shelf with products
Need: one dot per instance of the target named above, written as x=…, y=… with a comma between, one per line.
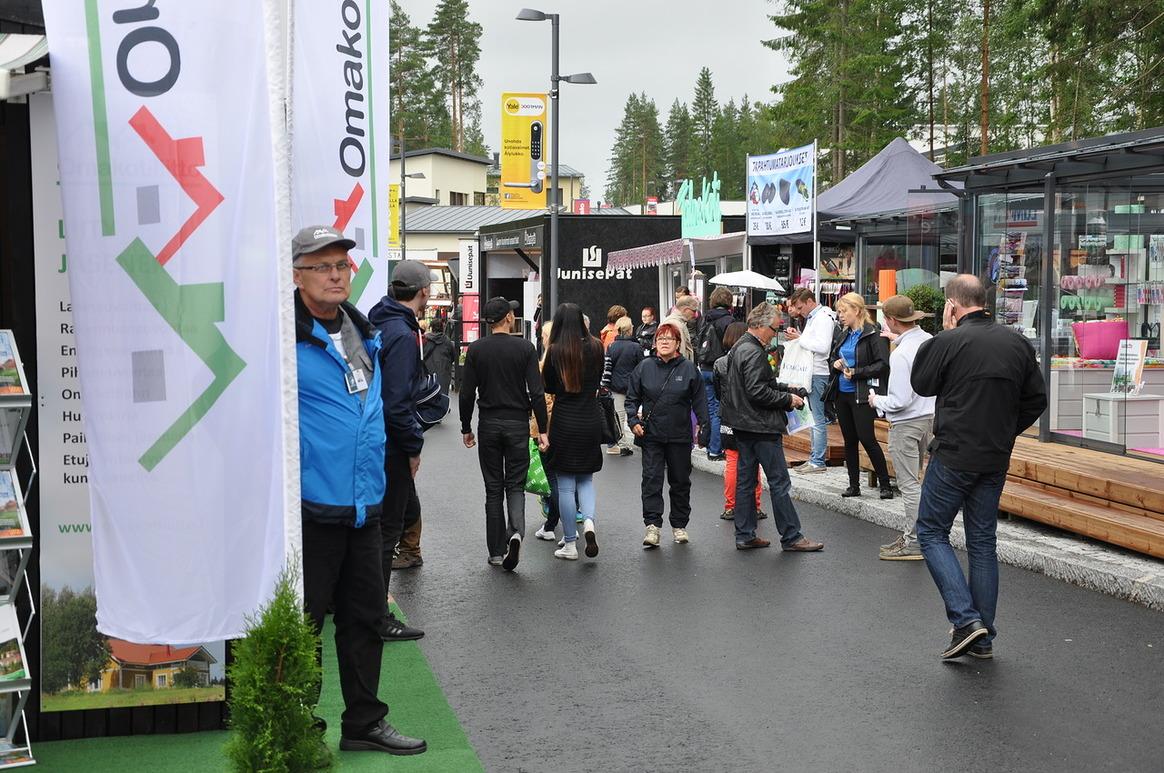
x=15, y=400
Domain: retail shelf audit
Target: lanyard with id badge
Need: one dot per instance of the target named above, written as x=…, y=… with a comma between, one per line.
x=356, y=379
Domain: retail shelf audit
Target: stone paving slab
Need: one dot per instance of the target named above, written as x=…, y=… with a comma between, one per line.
x=1077, y=560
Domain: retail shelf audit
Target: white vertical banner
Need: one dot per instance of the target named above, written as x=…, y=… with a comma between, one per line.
x=340, y=137
x=178, y=275
x=469, y=267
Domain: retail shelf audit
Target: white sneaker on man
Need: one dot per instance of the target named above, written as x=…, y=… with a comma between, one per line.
x=569, y=551
x=809, y=468
x=680, y=536
x=651, y=538
x=548, y=536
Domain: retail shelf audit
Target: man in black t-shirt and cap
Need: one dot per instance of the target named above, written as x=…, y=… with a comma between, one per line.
x=502, y=376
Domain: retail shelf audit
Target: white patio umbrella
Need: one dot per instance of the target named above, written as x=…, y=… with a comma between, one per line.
x=748, y=279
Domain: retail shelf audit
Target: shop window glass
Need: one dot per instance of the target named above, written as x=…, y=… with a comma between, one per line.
x=1107, y=383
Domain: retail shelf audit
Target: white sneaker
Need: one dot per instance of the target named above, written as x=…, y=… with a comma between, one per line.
x=591, y=538
x=680, y=536
x=568, y=551
x=614, y=451
x=548, y=536
x=562, y=542
x=808, y=468
x=651, y=539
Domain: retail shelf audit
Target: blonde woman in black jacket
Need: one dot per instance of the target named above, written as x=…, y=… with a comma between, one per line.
x=859, y=362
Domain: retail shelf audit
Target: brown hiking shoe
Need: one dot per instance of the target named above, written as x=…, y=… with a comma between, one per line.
x=755, y=542
x=804, y=545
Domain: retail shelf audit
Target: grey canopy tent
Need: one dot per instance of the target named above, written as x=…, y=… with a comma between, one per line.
x=892, y=180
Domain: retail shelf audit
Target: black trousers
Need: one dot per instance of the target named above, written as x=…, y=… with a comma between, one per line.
x=503, y=452
x=342, y=563
x=856, y=420
x=401, y=509
x=674, y=459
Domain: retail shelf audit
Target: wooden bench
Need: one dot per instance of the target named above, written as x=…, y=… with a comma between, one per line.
x=1112, y=498
x=799, y=445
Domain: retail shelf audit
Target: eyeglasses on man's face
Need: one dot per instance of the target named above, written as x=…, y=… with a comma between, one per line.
x=342, y=266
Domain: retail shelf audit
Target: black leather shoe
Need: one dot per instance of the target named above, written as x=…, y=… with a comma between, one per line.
x=887, y=493
x=392, y=629
x=384, y=738
x=852, y=491
x=962, y=639
x=981, y=651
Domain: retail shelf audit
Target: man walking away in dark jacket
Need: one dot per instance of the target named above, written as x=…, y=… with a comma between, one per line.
x=502, y=376
x=989, y=390
x=396, y=317
x=709, y=348
x=439, y=353
x=754, y=404
x=341, y=453
x=622, y=356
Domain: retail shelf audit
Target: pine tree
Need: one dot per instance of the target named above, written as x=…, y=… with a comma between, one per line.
x=704, y=111
x=419, y=114
x=636, y=161
x=677, y=149
x=454, y=43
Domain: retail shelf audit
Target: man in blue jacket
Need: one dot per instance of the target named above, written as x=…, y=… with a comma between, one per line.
x=396, y=317
x=341, y=457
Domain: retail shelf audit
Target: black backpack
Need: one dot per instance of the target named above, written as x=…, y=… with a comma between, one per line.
x=709, y=347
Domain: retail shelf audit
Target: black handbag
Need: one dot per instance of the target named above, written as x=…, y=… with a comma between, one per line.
x=611, y=430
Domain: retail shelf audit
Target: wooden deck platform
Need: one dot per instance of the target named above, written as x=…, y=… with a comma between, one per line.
x=1115, y=499
x=798, y=446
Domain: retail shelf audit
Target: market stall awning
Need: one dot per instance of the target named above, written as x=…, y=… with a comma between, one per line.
x=709, y=247
x=16, y=53
x=647, y=256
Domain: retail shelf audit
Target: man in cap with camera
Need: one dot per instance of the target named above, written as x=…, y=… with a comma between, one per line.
x=396, y=317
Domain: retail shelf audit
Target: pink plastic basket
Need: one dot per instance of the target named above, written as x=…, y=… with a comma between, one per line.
x=1099, y=340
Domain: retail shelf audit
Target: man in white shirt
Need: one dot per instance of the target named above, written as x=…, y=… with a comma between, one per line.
x=820, y=326
x=911, y=420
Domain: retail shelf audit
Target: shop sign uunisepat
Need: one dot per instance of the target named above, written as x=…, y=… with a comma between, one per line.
x=782, y=192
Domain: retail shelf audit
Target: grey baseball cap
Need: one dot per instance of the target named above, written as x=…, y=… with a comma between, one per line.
x=410, y=274
x=314, y=238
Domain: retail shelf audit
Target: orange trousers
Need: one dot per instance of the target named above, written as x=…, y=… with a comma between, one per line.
x=729, y=482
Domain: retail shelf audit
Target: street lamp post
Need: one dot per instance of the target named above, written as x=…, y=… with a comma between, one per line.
x=404, y=177
x=529, y=14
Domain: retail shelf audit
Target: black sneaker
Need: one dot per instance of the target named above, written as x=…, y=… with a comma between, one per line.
x=981, y=651
x=392, y=629
x=887, y=493
x=626, y=452
x=729, y=514
x=962, y=638
x=509, y=563
x=852, y=491
x=715, y=457
x=761, y=515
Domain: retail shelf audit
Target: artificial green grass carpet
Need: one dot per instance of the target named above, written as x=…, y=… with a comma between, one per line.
x=418, y=708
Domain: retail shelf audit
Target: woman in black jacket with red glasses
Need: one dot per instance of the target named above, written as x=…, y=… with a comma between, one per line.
x=662, y=393
x=859, y=362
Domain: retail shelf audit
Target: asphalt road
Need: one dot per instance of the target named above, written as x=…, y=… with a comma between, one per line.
x=702, y=658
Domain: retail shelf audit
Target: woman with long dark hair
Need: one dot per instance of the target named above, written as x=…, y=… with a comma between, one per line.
x=572, y=374
x=859, y=362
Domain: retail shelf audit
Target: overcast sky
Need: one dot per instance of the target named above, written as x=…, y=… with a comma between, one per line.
x=656, y=46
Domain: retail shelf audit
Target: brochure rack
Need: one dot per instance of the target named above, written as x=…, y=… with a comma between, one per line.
x=15, y=551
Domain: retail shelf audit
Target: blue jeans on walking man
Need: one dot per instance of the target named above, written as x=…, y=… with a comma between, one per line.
x=715, y=444
x=768, y=451
x=820, y=430
x=944, y=492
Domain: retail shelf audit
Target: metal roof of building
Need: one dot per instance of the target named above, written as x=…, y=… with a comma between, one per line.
x=442, y=152
x=466, y=220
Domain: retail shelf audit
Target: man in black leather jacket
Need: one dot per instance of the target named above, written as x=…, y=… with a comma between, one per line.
x=753, y=403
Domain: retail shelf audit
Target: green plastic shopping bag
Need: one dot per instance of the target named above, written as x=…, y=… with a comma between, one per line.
x=536, y=481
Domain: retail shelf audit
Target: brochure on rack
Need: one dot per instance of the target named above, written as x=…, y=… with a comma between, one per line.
x=13, y=663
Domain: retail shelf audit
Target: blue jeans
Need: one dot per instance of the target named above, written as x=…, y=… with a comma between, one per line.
x=820, y=430
x=571, y=489
x=944, y=492
x=768, y=451
x=715, y=445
